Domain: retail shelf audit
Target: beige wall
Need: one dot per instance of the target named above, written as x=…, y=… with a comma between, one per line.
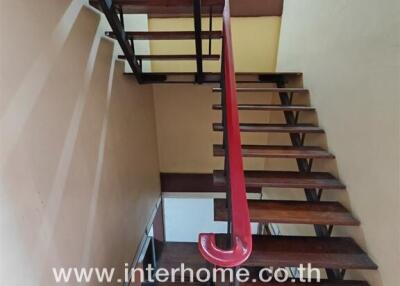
x=349, y=53
x=79, y=165
x=184, y=118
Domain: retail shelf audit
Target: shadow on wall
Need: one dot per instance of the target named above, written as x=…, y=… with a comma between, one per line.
x=25, y=38
x=71, y=194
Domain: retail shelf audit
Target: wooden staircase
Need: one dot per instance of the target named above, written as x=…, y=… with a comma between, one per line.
x=334, y=254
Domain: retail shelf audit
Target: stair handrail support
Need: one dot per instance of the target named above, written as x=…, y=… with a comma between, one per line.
x=241, y=238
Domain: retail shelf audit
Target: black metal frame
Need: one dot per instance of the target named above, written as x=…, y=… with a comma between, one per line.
x=117, y=25
x=225, y=146
x=115, y=16
x=226, y=150
x=226, y=158
x=305, y=166
x=210, y=28
x=198, y=40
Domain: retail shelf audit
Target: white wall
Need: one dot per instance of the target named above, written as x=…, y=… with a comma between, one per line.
x=186, y=217
x=349, y=53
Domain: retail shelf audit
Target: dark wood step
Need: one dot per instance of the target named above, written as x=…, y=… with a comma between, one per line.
x=294, y=212
x=274, y=128
x=291, y=251
x=312, y=283
x=285, y=179
x=168, y=35
x=272, y=151
x=278, y=251
x=269, y=107
x=175, y=253
x=322, y=282
x=165, y=8
x=215, y=77
x=267, y=89
x=176, y=283
x=172, y=57
x=193, y=183
x=183, y=8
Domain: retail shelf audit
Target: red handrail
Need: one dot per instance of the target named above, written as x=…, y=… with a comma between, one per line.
x=241, y=232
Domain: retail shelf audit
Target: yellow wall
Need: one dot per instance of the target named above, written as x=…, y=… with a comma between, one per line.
x=183, y=112
x=349, y=53
x=255, y=42
x=79, y=168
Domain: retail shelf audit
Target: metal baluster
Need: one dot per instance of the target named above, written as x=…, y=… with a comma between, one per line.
x=210, y=30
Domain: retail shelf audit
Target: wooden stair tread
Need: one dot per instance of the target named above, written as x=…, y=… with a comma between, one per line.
x=215, y=77
x=291, y=251
x=273, y=151
x=294, y=212
x=332, y=252
x=174, y=253
x=162, y=8
x=269, y=107
x=237, y=73
x=176, y=283
x=172, y=57
x=322, y=282
x=266, y=89
x=193, y=183
x=168, y=35
x=285, y=179
x=164, y=3
x=274, y=128
x=278, y=251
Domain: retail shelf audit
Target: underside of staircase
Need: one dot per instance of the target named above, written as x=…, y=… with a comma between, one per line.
x=333, y=254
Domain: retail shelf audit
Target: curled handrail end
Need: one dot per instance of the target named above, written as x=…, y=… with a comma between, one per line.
x=239, y=253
